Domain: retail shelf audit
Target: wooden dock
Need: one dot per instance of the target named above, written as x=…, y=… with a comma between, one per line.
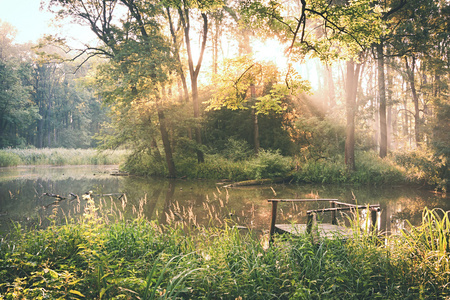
x=322, y=230
x=329, y=231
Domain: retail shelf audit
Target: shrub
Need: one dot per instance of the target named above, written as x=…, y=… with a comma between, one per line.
x=270, y=164
x=8, y=159
x=370, y=169
x=214, y=167
x=422, y=166
x=237, y=150
x=145, y=164
x=321, y=172
x=320, y=138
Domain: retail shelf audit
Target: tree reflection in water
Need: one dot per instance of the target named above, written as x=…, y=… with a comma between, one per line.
x=197, y=202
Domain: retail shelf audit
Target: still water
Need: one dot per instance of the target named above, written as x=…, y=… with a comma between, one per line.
x=23, y=199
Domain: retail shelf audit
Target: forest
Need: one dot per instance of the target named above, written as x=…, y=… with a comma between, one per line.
x=313, y=91
x=338, y=93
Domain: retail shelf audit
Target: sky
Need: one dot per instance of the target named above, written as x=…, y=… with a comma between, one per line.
x=33, y=23
x=25, y=16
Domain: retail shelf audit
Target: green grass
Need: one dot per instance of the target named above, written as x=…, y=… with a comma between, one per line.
x=103, y=256
x=8, y=159
x=370, y=169
x=60, y=156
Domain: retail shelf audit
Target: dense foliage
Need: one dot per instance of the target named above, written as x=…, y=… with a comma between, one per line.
x=102, y=256
x=43, y=102
x=185, y=108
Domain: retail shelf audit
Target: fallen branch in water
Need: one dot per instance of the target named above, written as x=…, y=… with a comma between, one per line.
x=54, y=196
x=256, y=182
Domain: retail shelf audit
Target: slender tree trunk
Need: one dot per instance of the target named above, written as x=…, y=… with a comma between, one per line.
x=410, y=70
x=177, y=56
x=330, y=85
x=216, y=42
x=382, y=95
x=194, y=71
x=405, y=124
x=166, y=143
x=389, y=106
x=255, y=120
x=350, y=99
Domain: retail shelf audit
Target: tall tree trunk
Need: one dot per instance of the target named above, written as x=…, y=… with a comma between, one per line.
x=166, y=143
x=216, y=42
x=405, y=125
x=389, y=106
x=255, y=120
x=194, y=71
x=410, y=70
x=382, y=95
x=330, y=88
x=351, y=86
x=177, y=56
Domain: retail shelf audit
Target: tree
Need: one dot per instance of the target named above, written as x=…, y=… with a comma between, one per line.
x=353, y=70
x=138, y=53
x=331, y=31
x=17, y=112
x=246, y=84
x=186, y=10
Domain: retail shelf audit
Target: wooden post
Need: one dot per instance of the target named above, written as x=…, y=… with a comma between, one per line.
x=310, y=222
x=374, y=217
x=272, y=223
x=333, y=213
x=311, y=227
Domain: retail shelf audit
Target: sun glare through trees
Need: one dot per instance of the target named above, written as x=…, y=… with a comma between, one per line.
x=312, y=80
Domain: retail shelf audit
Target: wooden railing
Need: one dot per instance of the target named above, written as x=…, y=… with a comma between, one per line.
x=335, y=206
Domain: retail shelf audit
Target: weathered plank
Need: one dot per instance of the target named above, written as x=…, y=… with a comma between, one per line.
x=329, y=231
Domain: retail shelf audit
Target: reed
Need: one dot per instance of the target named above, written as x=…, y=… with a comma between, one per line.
x=103, y=255
x=370, y=169
x=63, y=156
x=8, y=159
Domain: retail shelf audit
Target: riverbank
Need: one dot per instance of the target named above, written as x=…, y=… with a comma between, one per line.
x=61, y=156
x=415, y=167
x=102, y=256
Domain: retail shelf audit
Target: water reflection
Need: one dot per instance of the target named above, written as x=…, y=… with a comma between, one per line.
x=23, y=199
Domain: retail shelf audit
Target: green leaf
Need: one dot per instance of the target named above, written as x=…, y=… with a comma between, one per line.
x=77, y=293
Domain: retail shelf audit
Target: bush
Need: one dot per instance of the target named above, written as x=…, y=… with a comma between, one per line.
x=321, y=172
x=8, y=159
x=214, y=167
x=320, y=138
x=370, y=169
x=237, y=150
x=270, y=164
x=144, y=164
x=421, y=166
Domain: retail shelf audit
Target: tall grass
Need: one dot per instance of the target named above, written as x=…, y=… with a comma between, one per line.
x=370, y=169
x=101, y=255
x=61, y=156
x=268, y=164
x=8, y=159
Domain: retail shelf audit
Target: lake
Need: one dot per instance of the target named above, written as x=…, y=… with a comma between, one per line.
x=204, y=202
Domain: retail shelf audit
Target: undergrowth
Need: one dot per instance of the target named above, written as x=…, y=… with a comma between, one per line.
x=370, y=169
x=60, y=156
x=101, y=255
